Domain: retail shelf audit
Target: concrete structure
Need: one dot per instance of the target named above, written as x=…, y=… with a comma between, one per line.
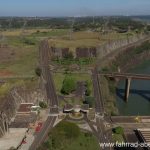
x=25, y=108
x=127, y=88
x=56, y=52
x=128, y=77
x=13, y=139
x=86, y=52
x=85, y=108
x=68, y=108
x=3, y=124
x=144, y=136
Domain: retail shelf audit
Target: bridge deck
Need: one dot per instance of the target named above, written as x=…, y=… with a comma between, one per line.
x=126, y=75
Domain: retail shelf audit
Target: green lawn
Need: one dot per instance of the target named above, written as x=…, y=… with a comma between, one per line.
x=84, y=143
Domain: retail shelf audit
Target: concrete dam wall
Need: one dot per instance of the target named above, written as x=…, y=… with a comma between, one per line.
x=111, y=46
x=11, y=102
x=97, y=51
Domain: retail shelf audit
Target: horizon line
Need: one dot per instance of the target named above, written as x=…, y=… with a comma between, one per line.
x=76, y=16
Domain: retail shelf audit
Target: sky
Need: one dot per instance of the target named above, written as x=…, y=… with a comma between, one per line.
x=73, y=7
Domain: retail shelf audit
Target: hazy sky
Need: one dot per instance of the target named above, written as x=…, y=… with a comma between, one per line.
x=73, y=7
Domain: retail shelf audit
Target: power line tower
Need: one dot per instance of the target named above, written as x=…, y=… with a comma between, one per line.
x=93, y=19
x=71, y=28
x=105, y=26
x=10, y=23
x=23, y=31
x=1, y=33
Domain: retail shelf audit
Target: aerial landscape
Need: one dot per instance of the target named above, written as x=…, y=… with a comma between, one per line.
x=75, y=75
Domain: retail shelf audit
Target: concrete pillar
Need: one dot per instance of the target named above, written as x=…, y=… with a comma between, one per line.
x=1, y=131
x=127, y=88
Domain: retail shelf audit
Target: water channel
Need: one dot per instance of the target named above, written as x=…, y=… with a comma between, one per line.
x=139, y=99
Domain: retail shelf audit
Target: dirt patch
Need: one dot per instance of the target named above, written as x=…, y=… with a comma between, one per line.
x=7, y=54
x=6, y=73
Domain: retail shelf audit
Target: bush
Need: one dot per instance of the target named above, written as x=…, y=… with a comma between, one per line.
x=42, y=104
x=118, y=130
x=28, y=41
x=38, y=71
x=69, y=56
x=89, y=100
x=88, y=90
x=69, y=85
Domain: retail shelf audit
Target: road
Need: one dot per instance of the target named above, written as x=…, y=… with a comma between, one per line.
x=51, y=95
x=100, y=133
x=41, y=136
x=99, y=107
x=47, y=75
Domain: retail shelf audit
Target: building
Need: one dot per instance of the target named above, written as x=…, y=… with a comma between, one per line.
x=144, y=136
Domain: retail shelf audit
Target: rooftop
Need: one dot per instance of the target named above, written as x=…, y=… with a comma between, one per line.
x=25, y=108
x=145, y=134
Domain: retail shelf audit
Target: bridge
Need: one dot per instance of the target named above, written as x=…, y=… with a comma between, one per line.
x=128, y=77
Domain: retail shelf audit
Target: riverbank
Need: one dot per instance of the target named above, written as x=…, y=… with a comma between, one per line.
x=123, y=61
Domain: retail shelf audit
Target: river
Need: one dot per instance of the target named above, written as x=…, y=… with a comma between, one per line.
x=139, y=98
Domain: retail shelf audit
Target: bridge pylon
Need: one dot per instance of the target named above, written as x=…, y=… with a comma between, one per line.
x=127, y=88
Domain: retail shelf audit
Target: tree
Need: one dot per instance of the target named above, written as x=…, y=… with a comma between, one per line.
x=69, y=85
x=62, y=135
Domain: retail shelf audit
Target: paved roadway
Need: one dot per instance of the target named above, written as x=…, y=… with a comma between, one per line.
x=41, y=136
x=126, y=75
x=47, y=75
x=51, y=95
x=99, y=107
x=100, y=133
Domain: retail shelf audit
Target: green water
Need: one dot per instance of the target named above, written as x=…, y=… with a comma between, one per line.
x=139, y=99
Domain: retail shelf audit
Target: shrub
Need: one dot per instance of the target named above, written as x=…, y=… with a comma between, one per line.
x=38, y=71
x=69, y=56
x=42, y=104
x=88, y=90
x=118, y=130
x=89, y=100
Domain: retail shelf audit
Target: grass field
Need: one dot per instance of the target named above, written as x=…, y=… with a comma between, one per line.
x=85, y=39
x=27, y=83
x=24, y=62
x=25, y=45
x=36, y=32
